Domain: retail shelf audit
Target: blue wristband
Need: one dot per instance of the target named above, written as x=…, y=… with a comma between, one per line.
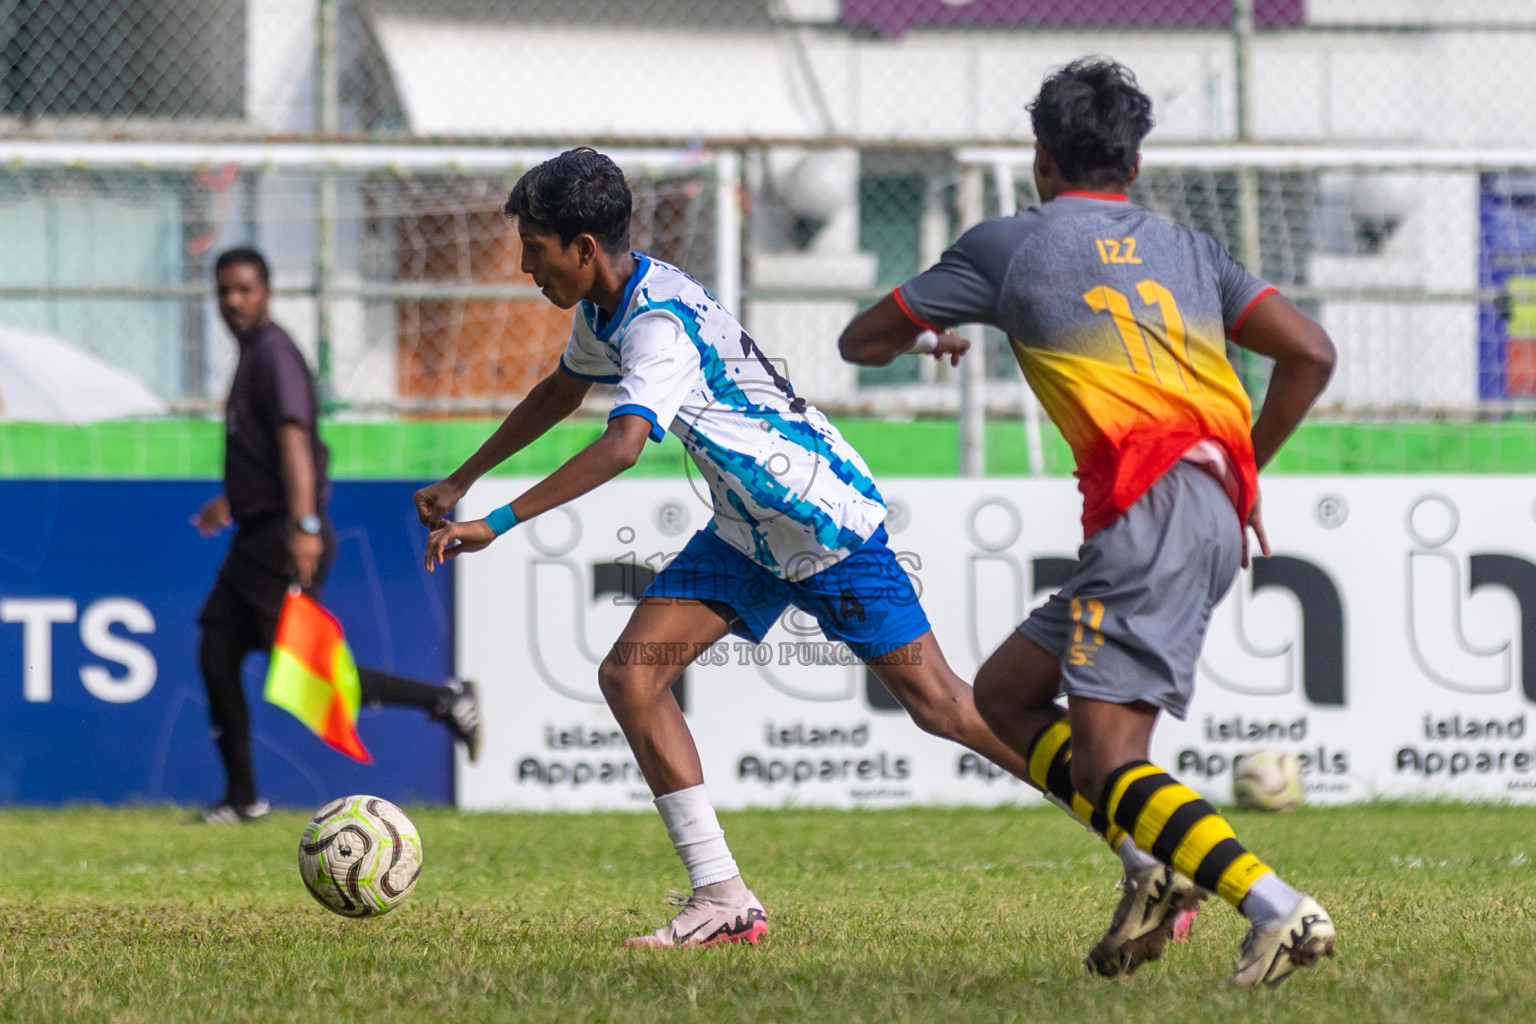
x=501, y=520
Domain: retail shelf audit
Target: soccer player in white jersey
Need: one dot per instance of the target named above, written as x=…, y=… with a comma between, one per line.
x=798, y=520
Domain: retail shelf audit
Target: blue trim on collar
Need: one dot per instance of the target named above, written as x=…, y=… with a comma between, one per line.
x=612, y=378
x=604, y=332
x=632, y=409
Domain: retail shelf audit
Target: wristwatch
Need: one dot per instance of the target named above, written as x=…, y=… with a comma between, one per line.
x=309, y=524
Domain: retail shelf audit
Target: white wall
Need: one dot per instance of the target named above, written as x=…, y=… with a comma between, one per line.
x=280, y=67
x=1468, y=87
x=1421, y=12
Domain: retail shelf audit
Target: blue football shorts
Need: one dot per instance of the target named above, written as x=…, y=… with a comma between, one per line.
x=866, y=600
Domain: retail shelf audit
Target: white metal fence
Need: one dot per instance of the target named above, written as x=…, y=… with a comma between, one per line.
x=1376, y=160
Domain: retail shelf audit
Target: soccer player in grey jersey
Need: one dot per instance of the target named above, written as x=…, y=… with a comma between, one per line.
x=1119, y=322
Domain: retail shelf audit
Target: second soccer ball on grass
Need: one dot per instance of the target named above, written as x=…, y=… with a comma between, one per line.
x=1267, y=780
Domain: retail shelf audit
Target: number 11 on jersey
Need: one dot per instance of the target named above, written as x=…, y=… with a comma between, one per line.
x=1168, y=361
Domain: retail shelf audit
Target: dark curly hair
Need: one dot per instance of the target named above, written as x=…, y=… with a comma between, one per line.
x=1091, y=117
x=247, y=256
x=580, y=191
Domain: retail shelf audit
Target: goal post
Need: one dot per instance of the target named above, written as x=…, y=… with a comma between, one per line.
x=1416, y=260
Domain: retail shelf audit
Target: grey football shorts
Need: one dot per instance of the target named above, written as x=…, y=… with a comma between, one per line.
x=1128, y=626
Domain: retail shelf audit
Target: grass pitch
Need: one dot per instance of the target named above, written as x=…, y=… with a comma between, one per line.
x=931, y=915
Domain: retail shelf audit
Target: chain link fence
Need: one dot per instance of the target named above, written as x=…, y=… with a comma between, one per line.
x=394, y=269
x=1376, y=160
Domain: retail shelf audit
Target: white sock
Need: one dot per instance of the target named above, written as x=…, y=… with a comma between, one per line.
x=1059, y=802
x=697, y=836
x=1269, y=900
x=1134, y=857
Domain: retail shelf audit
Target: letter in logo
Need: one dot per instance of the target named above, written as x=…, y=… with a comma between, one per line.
x=37, y=617
x=1322, y=623
x=995, y=578
x=1517, y=576
x=1274, y=668
x=138, y=662
x=556, y=606
x=559, y=610
x=1051, y=574
x=879, y=698
x=1437, y=603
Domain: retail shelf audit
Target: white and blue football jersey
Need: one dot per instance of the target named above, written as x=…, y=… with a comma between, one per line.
x=788, y=491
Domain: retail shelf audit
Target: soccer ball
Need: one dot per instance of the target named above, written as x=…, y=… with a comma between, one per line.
x=359, y=856
x=1267, y=780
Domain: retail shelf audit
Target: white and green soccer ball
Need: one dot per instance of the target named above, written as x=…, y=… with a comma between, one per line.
x=360, y=856
x=1267, y=780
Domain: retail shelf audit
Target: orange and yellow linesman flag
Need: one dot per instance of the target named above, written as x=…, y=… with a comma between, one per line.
x=312, y=674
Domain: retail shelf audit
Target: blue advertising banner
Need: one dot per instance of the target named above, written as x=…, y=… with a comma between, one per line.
x=100, y=695
x=1506, y=341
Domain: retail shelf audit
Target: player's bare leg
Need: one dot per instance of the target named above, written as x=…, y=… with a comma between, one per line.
x=1106, y=736
x=1015, y=692
x=1288, y=929
x=666, y=632
x=636, y=678
x=942, y=703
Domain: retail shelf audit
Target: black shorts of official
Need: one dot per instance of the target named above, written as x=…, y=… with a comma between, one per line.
x=256, y=574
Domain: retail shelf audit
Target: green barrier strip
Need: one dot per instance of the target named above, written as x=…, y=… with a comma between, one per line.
x=404, y=449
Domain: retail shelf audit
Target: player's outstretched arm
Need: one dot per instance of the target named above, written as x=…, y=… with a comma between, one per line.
x=882, y=332
x=551, y=400
x=617, y=450
x=1304, y=357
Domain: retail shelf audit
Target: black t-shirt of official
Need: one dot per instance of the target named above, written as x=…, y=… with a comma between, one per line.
x=272, y=386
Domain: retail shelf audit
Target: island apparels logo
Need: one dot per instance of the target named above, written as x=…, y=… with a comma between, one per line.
x=570, y=600
x=1442, y=587
x=1437, y=601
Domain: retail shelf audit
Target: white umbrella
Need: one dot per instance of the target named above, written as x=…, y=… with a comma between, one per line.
x=44, y=379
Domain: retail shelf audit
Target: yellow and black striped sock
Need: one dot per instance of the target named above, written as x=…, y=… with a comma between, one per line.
x=1170, y=821
x=1050, y=767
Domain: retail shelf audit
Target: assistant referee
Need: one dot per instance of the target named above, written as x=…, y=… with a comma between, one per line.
x=275, y=492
